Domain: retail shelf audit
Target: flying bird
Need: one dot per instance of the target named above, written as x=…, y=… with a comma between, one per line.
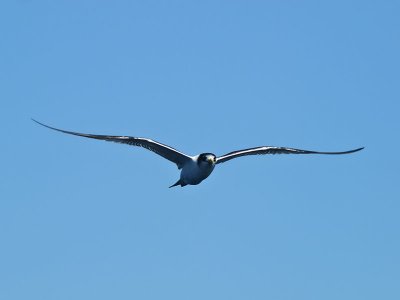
x=194, y=169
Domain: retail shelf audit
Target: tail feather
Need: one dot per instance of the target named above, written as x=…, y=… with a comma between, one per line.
x=179, y=182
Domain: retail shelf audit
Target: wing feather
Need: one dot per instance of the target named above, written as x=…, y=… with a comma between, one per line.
x=274, y=150
x=165, y=151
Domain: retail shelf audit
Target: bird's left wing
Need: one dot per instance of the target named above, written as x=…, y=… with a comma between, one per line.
x=165, y=151
x=274, y=150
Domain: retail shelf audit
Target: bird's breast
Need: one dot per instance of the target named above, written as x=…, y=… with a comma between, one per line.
x=193, y=173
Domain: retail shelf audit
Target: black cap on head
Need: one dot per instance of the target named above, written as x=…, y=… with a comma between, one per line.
x=204, y=157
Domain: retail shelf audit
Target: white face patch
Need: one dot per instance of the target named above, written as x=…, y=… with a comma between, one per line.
x=211, y=159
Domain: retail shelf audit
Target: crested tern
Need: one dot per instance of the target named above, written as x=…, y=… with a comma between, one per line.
x=194, y=169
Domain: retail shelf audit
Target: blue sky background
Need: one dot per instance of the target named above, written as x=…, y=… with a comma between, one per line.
x=83, y=219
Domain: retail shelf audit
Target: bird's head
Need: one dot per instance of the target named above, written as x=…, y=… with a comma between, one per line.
x=207, y=158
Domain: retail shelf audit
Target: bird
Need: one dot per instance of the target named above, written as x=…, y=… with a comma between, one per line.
x=194, y=169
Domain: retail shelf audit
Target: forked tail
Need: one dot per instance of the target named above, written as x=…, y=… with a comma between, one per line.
x=179, y=182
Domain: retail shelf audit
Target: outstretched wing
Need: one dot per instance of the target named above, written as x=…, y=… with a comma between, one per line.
x=273, y=150
x=165, y=151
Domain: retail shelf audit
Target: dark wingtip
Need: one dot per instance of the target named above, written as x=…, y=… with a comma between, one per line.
x=37, y=122
x=53, y=128
x=351, y=151
x=346, y=152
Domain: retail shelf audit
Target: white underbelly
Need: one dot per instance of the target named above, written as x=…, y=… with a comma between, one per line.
x=193, y=174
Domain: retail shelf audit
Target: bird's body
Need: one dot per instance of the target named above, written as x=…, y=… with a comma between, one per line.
x=197, y=169
x=194, y=169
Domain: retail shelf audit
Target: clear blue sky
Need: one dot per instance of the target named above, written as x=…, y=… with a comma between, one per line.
x=84, y=219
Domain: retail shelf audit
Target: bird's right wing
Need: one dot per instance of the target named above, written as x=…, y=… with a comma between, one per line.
x=165, y=151
x=274, y=150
